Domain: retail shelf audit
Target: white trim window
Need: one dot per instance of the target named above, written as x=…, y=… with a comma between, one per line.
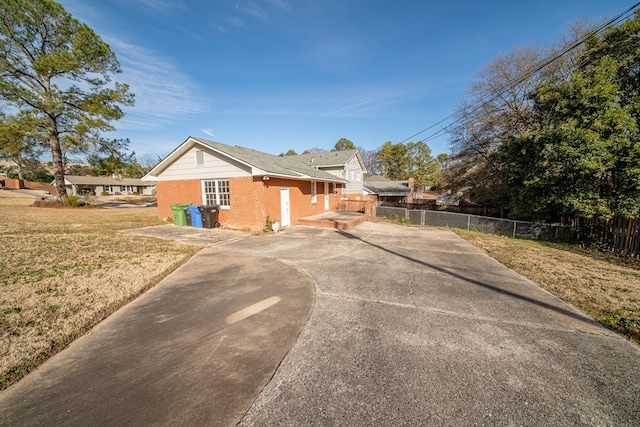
x=216, y=192
x=334, y=189
x=314, y=192
x=126, y=188
x=107, y=188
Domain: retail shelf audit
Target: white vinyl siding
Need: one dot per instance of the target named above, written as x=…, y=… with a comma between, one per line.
x=216, y=192
x=355, y=175
x=215, y=166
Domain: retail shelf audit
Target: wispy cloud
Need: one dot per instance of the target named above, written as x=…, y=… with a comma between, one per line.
x=163, y=92
x=254, y=10
x=235, y=21
x=164, y=5
x=208, y=131
x=281, y=4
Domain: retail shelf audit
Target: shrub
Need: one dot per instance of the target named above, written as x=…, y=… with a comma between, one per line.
x=135, y=193
x=74, y=201
x=268, y=225
x=104, y=193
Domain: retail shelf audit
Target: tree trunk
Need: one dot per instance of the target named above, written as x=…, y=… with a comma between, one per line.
x=58, y=168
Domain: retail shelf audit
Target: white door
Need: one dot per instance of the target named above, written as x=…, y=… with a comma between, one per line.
x=326, y=196
x=285, y=211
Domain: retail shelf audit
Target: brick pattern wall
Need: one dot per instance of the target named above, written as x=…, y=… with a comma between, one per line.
x=247, y=203
x=252, y=199
x=14, y=184
x=18, y=184
x=246, y=199
x=299, y=198
x=170, y=192
x=41, y=186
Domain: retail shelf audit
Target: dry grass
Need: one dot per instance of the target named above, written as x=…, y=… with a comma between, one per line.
x=63, y=270
x=604, y=286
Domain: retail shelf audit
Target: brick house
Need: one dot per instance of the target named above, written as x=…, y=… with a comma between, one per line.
x=248, y=185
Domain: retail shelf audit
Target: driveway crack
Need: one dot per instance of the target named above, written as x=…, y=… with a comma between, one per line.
x=412, y=278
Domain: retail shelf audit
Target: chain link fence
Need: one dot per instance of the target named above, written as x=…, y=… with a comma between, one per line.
x=497, y=226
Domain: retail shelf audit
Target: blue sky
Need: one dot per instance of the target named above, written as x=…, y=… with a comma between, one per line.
x=275, y=75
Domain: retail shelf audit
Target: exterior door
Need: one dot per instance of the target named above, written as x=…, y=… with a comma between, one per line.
x=285, y=209
x=326, y=196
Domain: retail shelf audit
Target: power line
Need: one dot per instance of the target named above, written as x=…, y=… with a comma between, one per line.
x=519, y=79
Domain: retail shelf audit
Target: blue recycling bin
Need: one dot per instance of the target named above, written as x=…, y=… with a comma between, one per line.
x=196, y=216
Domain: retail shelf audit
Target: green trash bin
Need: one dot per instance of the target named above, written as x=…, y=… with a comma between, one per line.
x=179, y=217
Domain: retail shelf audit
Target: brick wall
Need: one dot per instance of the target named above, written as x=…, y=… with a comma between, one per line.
x=247, y=203
x=14, y=184
x=19, y=184
x=299, y=199
x=43, y=186
x=170, y=192
x=252, y=199
x=366, y=203
x=246, y=194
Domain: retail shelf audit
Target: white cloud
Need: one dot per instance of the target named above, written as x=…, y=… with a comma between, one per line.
x=235, y=21
x=164, y=5
x=163, y=93
x=252, y=9
x=209, y=132
x=281, y=4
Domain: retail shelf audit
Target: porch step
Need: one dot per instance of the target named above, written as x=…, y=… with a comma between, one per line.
x=343, y=220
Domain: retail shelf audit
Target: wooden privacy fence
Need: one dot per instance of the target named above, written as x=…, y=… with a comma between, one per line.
x=619, y=235
x=461, y=207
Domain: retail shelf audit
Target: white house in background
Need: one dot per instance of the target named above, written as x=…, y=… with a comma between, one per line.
x=347, y=165
x=78, y=185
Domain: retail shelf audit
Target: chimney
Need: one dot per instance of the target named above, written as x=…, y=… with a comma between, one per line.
x=412, y=186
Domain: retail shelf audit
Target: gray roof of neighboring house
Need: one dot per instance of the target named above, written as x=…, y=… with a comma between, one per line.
x=103, y=180
x=387, y=188
x=263, y=163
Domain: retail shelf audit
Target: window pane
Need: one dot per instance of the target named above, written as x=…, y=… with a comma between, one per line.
x=216, y=192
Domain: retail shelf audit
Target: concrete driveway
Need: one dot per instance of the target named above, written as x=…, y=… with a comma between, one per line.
x=409, y=327
x=417, y=327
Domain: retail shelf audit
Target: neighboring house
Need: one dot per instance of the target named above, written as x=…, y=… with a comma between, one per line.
x=346, y=164
x=78, y=185
x=389, y=192
x=248, y=185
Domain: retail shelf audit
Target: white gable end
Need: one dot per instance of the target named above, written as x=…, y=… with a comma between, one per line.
x=355, y=175
x=203, y=163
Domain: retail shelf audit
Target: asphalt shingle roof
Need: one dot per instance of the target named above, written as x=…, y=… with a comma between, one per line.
x=293, y=166
x=103, y=180
x=387, y=188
